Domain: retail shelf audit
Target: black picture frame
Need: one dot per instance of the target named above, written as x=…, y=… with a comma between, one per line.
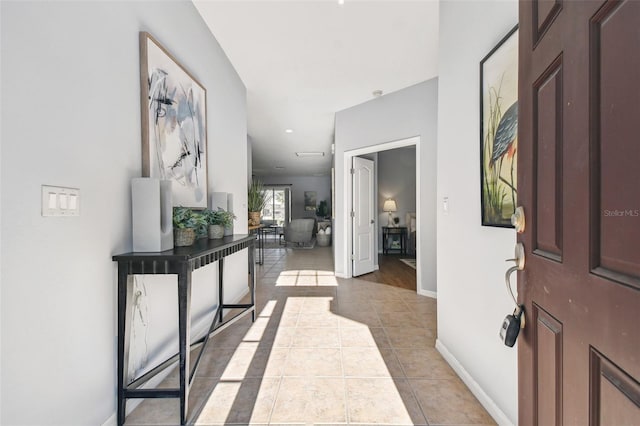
x=498, y=132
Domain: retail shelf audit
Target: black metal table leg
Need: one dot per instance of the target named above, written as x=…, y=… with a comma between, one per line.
x=184, y=333
x=260, y=260
x=252, y=282
x=125, y=289
x=221, y=287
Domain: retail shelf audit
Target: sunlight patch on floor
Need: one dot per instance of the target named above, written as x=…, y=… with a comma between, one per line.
x=340, y=351
x=306, y=278
x=268, y=309
x=314, y=379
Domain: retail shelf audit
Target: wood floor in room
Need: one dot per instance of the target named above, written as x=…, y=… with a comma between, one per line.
x=392, y=272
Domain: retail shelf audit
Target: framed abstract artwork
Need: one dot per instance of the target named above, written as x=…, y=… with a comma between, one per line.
x=174, y=124
x=310, y=200
x=499, y=132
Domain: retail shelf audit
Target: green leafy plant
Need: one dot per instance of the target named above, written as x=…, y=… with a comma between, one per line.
x=256, y=196
x=494, y=193
x=185, y=217
x=218, y=217
x=323, y=209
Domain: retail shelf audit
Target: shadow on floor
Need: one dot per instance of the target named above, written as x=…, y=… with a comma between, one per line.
x=324, y=350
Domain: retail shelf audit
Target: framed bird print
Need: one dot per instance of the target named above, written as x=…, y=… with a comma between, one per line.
x=499, y=132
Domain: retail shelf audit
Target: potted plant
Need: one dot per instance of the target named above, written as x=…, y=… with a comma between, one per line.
x=186, y=225
x=323, y=209
x=217, y=220
x=256, y=199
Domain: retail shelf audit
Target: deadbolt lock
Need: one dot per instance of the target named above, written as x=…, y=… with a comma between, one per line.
x=517, y=220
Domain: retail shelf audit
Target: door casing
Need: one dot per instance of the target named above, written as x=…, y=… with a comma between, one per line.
x=348, y=202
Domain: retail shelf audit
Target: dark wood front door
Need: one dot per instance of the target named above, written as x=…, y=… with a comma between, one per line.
x=579, y=184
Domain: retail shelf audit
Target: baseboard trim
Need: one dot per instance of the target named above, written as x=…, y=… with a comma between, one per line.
x=111, y=421
x=494, y=411
x=199, y=329
x=428, y=293
x=341, y=275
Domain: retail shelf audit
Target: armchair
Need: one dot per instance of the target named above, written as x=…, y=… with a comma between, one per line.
x=300, y=231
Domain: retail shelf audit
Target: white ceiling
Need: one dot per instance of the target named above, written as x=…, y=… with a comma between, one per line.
x=302, y=61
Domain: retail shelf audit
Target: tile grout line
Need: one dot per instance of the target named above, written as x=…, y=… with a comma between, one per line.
x=275, y=397
x=347, y=416
x=407, y=379
x=341, y=346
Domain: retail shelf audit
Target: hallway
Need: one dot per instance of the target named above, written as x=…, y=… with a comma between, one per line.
x=324, y=350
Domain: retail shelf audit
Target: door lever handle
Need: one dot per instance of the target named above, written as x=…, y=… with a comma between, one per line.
x=513, y=323
x=507, y=280
x=519, y=259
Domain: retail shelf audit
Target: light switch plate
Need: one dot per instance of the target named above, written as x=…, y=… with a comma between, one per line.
x=60, y=201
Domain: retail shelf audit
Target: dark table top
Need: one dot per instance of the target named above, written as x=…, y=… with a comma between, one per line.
x=201, y=247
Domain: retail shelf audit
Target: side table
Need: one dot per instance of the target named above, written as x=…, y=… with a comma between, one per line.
x=390, y=237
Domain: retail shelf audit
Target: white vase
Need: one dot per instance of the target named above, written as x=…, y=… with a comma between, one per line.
x=152, y=210
x=216, y=232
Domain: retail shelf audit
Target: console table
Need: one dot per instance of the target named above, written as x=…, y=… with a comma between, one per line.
x=181, y=261
x=259, y=231
x=388, y=234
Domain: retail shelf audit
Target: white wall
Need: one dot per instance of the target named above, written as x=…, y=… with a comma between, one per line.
x=299, y=184
x=1, y=139
x=403, y=114
x=396, y=180
x=249, y=158
x=71, y=117
x=472, y=298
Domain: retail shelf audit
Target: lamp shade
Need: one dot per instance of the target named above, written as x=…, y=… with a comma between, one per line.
x=389, y=206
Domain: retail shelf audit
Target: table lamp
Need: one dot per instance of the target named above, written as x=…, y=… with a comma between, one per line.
x=390, y=206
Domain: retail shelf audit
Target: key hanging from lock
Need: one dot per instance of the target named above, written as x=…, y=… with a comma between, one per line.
x=513, y=323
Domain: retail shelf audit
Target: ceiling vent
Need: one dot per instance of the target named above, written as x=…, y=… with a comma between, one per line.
x=310, y=154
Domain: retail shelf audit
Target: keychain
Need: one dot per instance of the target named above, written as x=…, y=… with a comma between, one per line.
x=512, y=323
x=511, y=326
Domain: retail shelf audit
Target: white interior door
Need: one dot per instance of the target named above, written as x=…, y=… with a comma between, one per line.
x=363, y=217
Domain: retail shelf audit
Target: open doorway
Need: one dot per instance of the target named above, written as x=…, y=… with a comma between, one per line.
x=395, y=192
x=396, y=197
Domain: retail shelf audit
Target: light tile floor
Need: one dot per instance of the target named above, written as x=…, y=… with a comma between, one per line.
x=323, y=350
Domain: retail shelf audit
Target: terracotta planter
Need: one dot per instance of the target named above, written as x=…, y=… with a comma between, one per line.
x=183, y=237
x=216, y=232
x=254, y=218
